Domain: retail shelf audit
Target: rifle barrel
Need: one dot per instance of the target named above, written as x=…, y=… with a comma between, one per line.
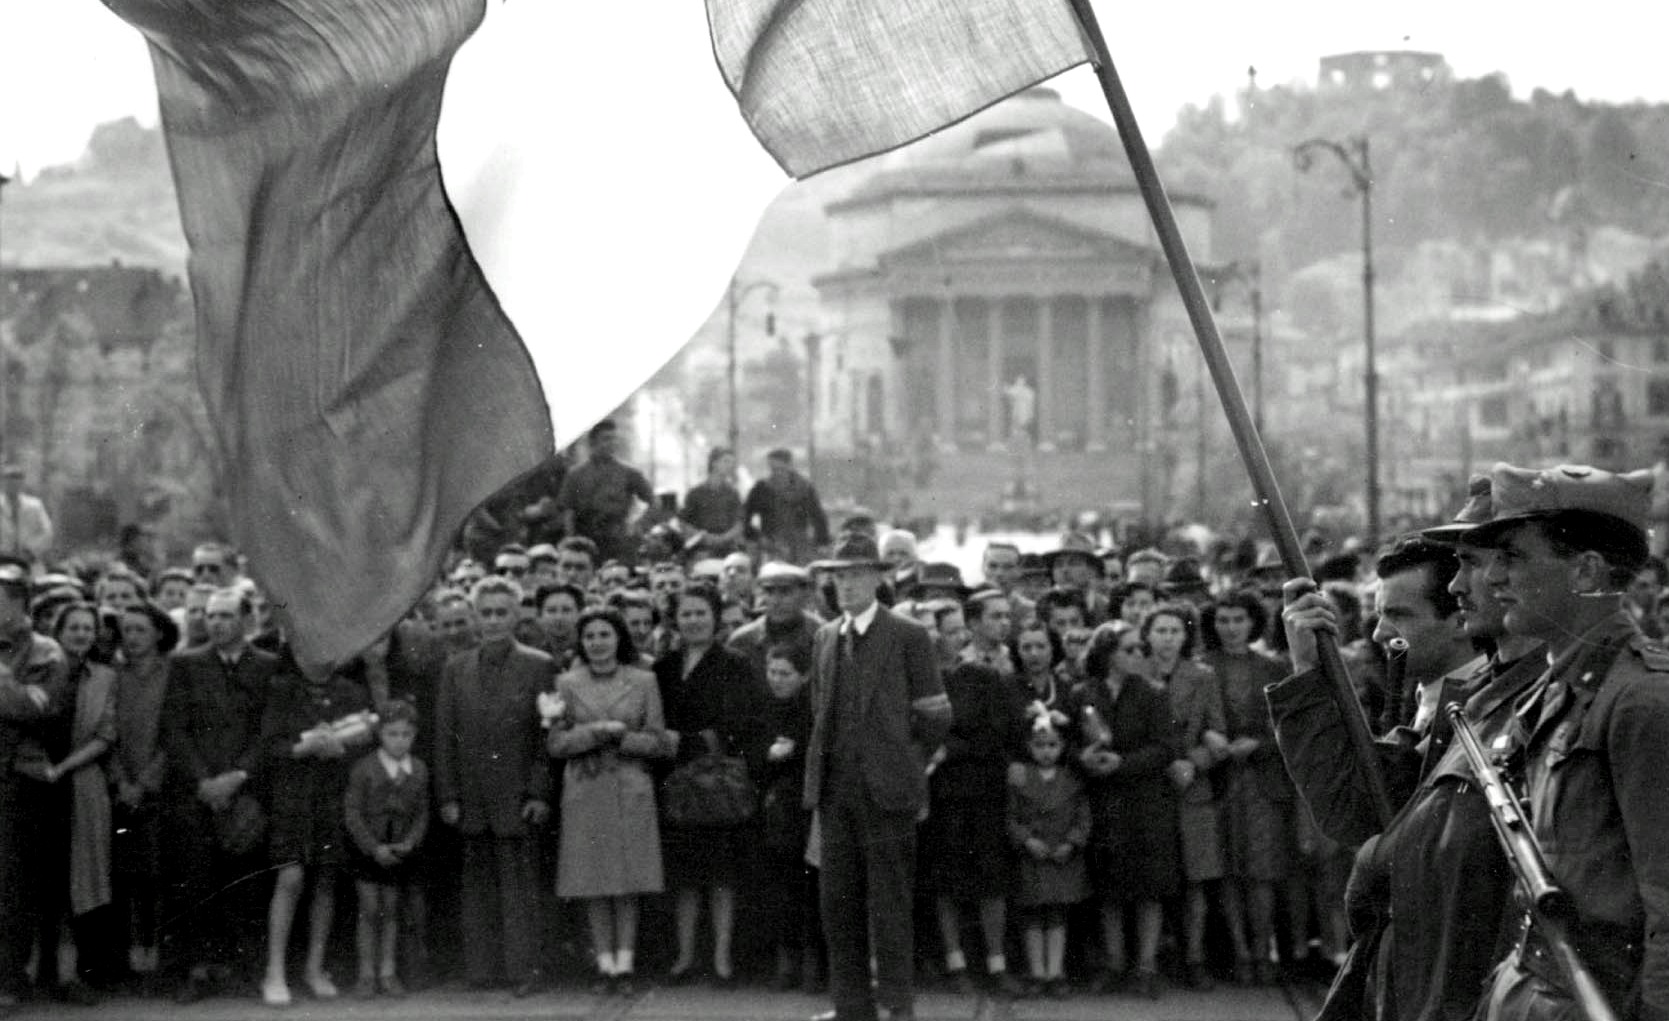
x=1552, y=906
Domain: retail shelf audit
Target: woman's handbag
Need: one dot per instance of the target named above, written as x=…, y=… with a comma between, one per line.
x=710, y=791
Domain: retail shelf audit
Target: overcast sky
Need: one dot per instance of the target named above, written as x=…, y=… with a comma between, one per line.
x=67, y=65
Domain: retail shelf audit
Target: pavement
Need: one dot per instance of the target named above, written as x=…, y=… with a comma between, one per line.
x=1292, y=1003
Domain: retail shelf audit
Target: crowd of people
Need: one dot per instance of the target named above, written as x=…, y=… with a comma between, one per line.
x=749, y=766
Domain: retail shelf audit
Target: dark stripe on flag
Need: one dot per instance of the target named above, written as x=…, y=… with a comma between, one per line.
x=366, y=387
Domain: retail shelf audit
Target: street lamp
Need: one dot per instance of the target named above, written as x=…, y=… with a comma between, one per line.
x=734, y=296
x=5, y=376
x=1353, y=153
x=1250, y=273
x=814, y=347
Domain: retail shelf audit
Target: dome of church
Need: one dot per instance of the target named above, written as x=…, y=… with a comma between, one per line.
x=1032, y=141
x=1036, y=124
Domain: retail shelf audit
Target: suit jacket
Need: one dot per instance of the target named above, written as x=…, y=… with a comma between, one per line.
x=211, y=715
x=30, y=659
x=905, y=711
x=378, y=810
x=489, y=749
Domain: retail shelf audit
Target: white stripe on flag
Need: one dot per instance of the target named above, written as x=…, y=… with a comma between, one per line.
x=605, y=184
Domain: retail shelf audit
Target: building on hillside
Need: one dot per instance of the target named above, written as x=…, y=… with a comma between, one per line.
x=101, y=408
x=1378, y=70
x=996, y=289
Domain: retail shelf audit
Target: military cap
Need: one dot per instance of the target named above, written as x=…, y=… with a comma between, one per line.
x=1479, y=508
x=1529, y=494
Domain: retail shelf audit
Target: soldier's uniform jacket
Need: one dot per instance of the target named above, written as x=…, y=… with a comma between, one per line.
x=1596, y=745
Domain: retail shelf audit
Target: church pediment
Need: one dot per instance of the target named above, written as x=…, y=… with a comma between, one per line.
x=1017, y=236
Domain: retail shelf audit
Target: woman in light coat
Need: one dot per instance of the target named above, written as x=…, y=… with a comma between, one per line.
x=609, y=726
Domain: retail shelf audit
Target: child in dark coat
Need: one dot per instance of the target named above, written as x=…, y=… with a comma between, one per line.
x=387, y=816
x=792, y=884
x=1049, y=822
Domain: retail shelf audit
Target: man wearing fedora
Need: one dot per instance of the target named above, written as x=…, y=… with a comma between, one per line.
x=1076, y=566
x=880, y=710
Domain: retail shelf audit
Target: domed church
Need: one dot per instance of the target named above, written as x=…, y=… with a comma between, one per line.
x=998, y=288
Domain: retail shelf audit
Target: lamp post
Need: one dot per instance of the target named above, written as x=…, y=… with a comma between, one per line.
x=814, y=347
x=1353, y=153
x=5, y=375
x=1250, y=273
x=734, y=296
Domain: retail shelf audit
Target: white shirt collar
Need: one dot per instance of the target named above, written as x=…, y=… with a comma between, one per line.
x=394, y=767
x=861, y=622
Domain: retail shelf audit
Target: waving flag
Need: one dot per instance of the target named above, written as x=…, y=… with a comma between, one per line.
x=826, y=82
x=433, y=239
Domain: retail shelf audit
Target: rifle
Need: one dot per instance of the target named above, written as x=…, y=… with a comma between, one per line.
x=1551, y=905
x=1402, y=699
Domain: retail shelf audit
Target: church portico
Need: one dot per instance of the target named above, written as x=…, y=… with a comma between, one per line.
x=1004, y=279
x=961, y=356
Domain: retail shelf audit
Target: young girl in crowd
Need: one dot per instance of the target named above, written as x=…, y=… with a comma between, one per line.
x=791, y=884
x=387, y=815
x=1049, y=822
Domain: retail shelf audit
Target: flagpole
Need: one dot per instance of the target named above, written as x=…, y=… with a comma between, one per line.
x=1228, y=390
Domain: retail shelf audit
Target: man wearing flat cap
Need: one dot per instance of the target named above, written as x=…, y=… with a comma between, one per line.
x=1592, y=733
x=784, y=593
x=1432, y=892
x=880, y=711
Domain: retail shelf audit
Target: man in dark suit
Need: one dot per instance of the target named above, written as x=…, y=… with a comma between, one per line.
x=492, y=779
x=881, y=710
x=211, y=732
x=34, y=692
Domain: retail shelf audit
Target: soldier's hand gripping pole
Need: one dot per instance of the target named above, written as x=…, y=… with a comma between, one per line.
x=1234, y=403
x=1551, y=906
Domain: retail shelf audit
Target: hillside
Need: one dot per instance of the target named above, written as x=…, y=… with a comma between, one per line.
x=115, y=203
x=1459, y=163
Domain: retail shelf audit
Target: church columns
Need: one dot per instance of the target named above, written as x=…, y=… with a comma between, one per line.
x=1045, y=374
x=1095, y=439
x=994, y=373
x=944, y=394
